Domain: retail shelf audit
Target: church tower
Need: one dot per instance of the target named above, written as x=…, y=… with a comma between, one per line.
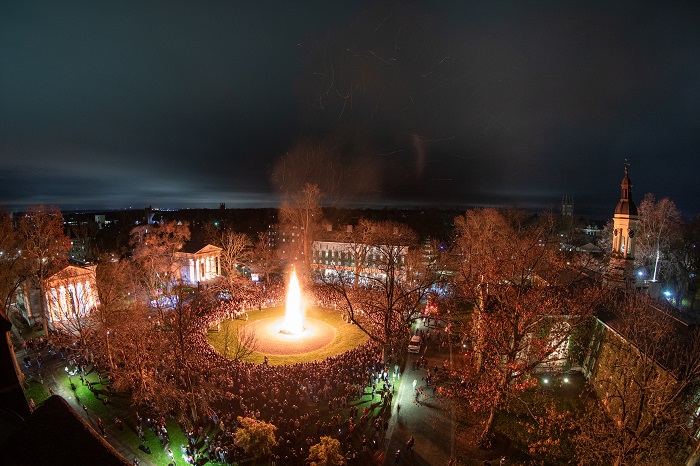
x=620, y=271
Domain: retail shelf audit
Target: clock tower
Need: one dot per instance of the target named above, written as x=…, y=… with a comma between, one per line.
x=620, y=271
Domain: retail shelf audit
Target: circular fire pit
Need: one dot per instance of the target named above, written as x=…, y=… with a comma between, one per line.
x=325, y=334
x=271, y=341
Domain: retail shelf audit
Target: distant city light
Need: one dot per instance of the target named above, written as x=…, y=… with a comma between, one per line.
x=667, y=293
x=545, y=381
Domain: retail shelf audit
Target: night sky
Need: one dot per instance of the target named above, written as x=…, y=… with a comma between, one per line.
x=194, y=103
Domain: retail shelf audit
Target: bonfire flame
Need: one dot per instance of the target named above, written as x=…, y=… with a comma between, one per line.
x=294, y=314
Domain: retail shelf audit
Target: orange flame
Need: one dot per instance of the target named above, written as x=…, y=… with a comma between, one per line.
x=294, y=313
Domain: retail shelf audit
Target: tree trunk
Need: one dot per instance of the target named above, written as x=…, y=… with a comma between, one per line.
x=487, y=434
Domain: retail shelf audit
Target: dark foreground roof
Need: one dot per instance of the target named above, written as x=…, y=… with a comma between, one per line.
x=661, y=346
x=56, y=435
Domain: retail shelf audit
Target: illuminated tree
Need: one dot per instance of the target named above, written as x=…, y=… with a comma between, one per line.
x=235, y=253
x=238, y=343
x=265, y=258
x=180, y=328
x=255, y=437
x=300, y=220
x=154, y=254
x=157, y=266
x=382, y=281
x=14, y=269
x=118, y=289
x=43, y=241
x=659, y=223
x=326, y=453
x=605, y=240
x=527, y=304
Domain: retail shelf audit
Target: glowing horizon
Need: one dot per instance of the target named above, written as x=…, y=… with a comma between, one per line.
x=294, y=313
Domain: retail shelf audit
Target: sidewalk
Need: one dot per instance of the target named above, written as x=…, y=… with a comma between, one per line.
x=53, y=375
x=430, y=420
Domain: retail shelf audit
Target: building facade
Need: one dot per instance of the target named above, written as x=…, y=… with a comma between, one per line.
x=70, y=294
x=198, y=263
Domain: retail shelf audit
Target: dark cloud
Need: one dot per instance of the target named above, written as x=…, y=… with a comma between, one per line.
x=450, y=103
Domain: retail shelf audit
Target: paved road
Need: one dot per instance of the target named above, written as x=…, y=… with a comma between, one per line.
x=430, y=421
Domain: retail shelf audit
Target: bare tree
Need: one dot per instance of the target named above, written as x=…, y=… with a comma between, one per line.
x=265, y=258
x=235, y=253
x=300, y=219
x=659, y=226
x=384, y=284
x=44, y=242
x=118, y=290
x=526, y=303
x=238, y=342
x=14, y=269
x=157, y=266
x=143, y=360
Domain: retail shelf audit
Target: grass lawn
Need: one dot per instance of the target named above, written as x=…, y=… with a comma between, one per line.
x=36, y=391
x=348, y=335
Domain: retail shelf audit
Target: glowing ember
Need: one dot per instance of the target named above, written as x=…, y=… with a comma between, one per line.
x=294, y=314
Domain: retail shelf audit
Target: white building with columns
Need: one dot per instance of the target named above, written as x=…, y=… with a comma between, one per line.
x=198, y=262
x=70, y=293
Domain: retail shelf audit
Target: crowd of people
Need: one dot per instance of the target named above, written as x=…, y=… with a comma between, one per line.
x=347, y=397
x=304, y=401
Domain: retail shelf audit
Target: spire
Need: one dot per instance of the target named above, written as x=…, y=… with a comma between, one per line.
x=626, y=206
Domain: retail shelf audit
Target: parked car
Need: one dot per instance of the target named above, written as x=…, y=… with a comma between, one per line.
x=414, y=344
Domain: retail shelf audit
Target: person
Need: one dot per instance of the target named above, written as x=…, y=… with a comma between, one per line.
x=398, y=457
x=409, y=443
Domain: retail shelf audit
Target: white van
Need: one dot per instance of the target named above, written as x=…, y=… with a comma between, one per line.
x=414, y=344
